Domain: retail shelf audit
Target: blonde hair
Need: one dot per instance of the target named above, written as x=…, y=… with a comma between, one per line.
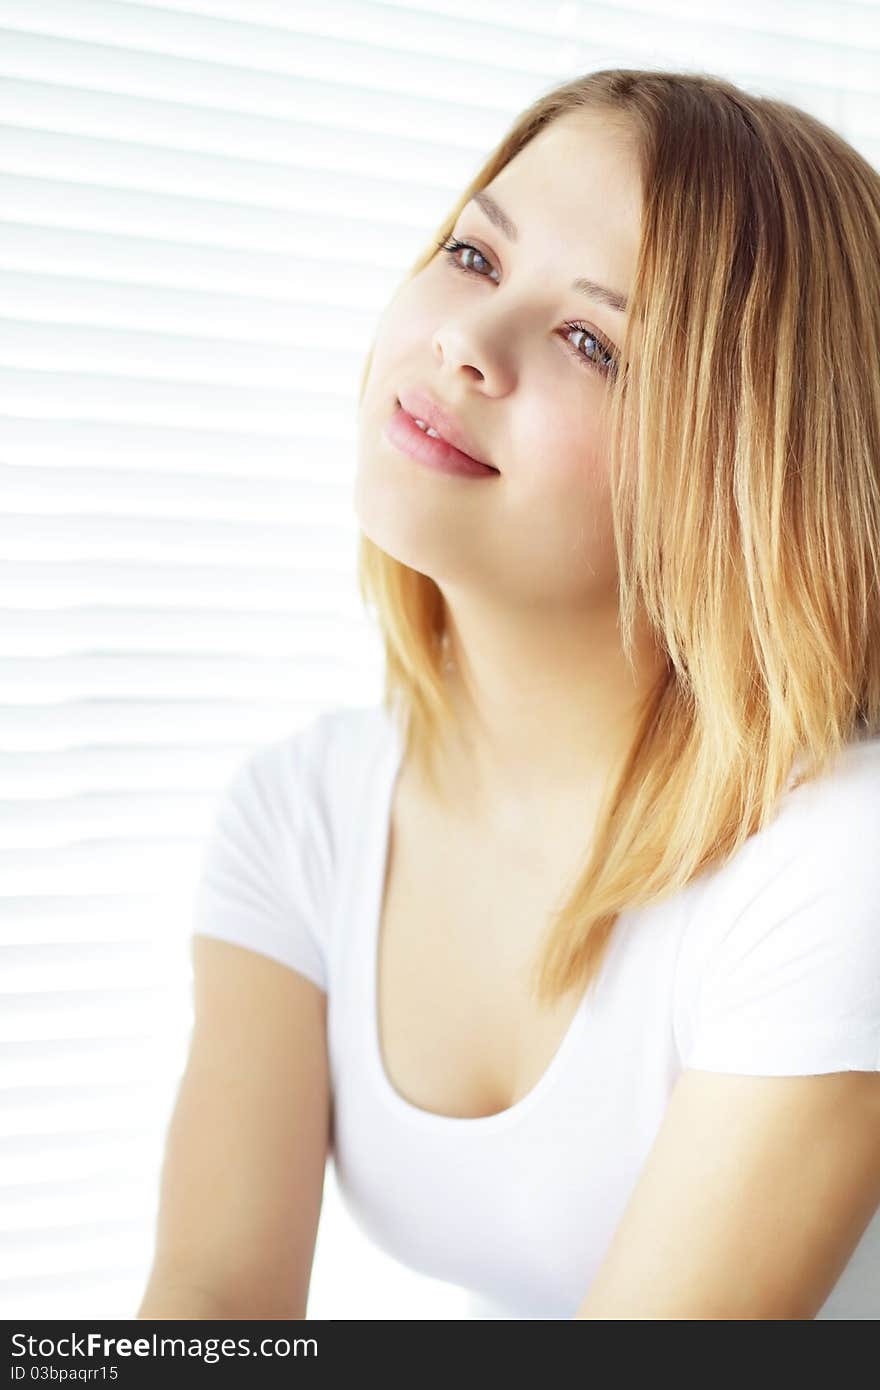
x=745, y=486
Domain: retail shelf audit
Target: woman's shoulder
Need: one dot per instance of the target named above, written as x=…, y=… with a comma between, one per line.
x=779, y=970
x=812, y=870
x=286, y=828
x=850, y=784
x=336, y=743
x=819, y=821
x=354, y=745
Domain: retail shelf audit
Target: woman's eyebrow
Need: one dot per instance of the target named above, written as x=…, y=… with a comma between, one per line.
x=499, y=218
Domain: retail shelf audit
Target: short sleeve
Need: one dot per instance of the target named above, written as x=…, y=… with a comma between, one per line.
x=791, y=984
x=264, y=867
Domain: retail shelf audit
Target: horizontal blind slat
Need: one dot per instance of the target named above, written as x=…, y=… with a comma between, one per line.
x=166, y=448
x=233, y=75
x=119, y=583
x=286, y=139
x=201, y=723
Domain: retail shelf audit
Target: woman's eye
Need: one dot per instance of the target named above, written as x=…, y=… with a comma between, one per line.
x=603, y=349
x=452, y=249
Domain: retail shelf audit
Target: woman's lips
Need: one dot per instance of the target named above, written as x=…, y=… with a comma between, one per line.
x=421, y=406
x=403, y=432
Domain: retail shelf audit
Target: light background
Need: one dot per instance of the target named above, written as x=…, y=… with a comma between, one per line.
x=203, y=210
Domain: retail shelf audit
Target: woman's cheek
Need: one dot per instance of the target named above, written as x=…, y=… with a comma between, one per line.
x=567, y=461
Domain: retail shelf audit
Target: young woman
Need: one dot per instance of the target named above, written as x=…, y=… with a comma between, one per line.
x=569, y=951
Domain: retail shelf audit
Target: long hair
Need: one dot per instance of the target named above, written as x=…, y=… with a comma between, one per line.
x=744, y=453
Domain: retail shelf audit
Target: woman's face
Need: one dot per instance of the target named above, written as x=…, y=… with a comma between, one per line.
x=484, y=333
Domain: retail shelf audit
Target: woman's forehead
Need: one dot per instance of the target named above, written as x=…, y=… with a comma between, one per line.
x=571, y=188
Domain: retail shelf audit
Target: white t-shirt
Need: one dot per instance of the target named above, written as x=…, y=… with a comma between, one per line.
x=770, y=965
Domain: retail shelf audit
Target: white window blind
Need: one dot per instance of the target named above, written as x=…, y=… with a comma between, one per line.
x=203, y=211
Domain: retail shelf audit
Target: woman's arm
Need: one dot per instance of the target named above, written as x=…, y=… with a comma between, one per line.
x=243, y=1173
x=753, y=1198
x=166, y=1298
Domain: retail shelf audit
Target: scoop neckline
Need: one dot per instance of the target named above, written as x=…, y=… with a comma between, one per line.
x=393, y=1099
